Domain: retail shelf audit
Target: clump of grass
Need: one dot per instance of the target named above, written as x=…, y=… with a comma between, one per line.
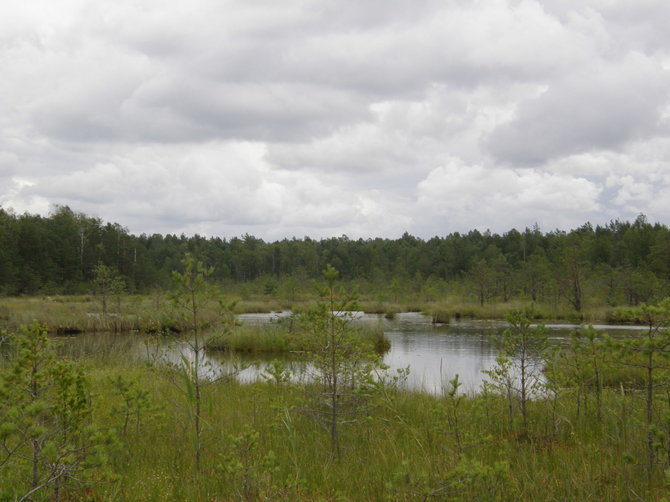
x=257, y=307
x=379, y=341
x=414, y=307
x=264, y=338
x=282, y=338
x=440, y=316
x=373, y=307
x=159, y=324
x=379, y=307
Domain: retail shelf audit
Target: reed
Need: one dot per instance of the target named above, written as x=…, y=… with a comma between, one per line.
x=260, y=444
x=153, y=313
x=283, y=338
x=408, y=446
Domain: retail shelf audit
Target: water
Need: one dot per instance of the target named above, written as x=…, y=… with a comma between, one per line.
x=434, y=353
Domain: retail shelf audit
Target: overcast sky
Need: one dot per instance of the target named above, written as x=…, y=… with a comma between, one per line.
x=322, y=118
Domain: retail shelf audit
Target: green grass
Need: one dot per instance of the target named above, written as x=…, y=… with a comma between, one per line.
x=83, y=314
x=626, y=315
x=260, y=444
x=153, y=313
x=282, y=338
x=408, y=447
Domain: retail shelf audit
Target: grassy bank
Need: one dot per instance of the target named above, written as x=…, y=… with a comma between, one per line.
x=151, y=313
x=83, y=313
x=457, y=309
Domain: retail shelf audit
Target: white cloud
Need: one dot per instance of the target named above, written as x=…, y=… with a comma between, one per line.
x=317, y=118
x=473, y=196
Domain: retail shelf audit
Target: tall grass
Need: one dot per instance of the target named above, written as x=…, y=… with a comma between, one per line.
x=153, y=313
x=409, y=451
x=261, y=445
x=283, y=338
x=81, y=314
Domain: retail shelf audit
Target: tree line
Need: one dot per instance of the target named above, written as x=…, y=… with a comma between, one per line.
x=620, y=263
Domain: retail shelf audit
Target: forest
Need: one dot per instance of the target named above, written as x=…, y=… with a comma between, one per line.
x=621, y=263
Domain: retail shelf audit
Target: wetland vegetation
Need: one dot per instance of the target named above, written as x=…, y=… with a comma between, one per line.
x=583, y=417
x=583, y=435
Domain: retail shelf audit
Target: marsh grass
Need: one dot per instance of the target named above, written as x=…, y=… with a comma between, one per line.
x=408, y=449
x=441, y=316
x=616, y=371
x=381, y=307
x=260, y=339
x=82, y=314
x=261, y=306
x=66, y=315
x=455, y=308
x=259, y=442
x=153, y=313
x=284, y=338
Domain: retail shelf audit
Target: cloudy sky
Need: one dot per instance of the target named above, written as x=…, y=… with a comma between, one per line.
x=322, y=118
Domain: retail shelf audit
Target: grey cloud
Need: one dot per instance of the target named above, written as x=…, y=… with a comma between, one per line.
x=402, y=140
x=180, y=75
x=635, y=25
x=318, y=118
x=184, y=109
x=397, y=55
x=9, y=163
x=596, y=109
x=258, y=111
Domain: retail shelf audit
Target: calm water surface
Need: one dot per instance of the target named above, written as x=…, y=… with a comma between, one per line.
x=434, y=353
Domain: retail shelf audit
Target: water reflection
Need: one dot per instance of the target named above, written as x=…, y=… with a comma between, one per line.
x=434, y=353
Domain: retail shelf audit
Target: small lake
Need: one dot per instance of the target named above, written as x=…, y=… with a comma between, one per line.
x=434, y=353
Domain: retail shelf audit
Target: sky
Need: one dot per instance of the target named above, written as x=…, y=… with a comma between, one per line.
x=327, y=118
